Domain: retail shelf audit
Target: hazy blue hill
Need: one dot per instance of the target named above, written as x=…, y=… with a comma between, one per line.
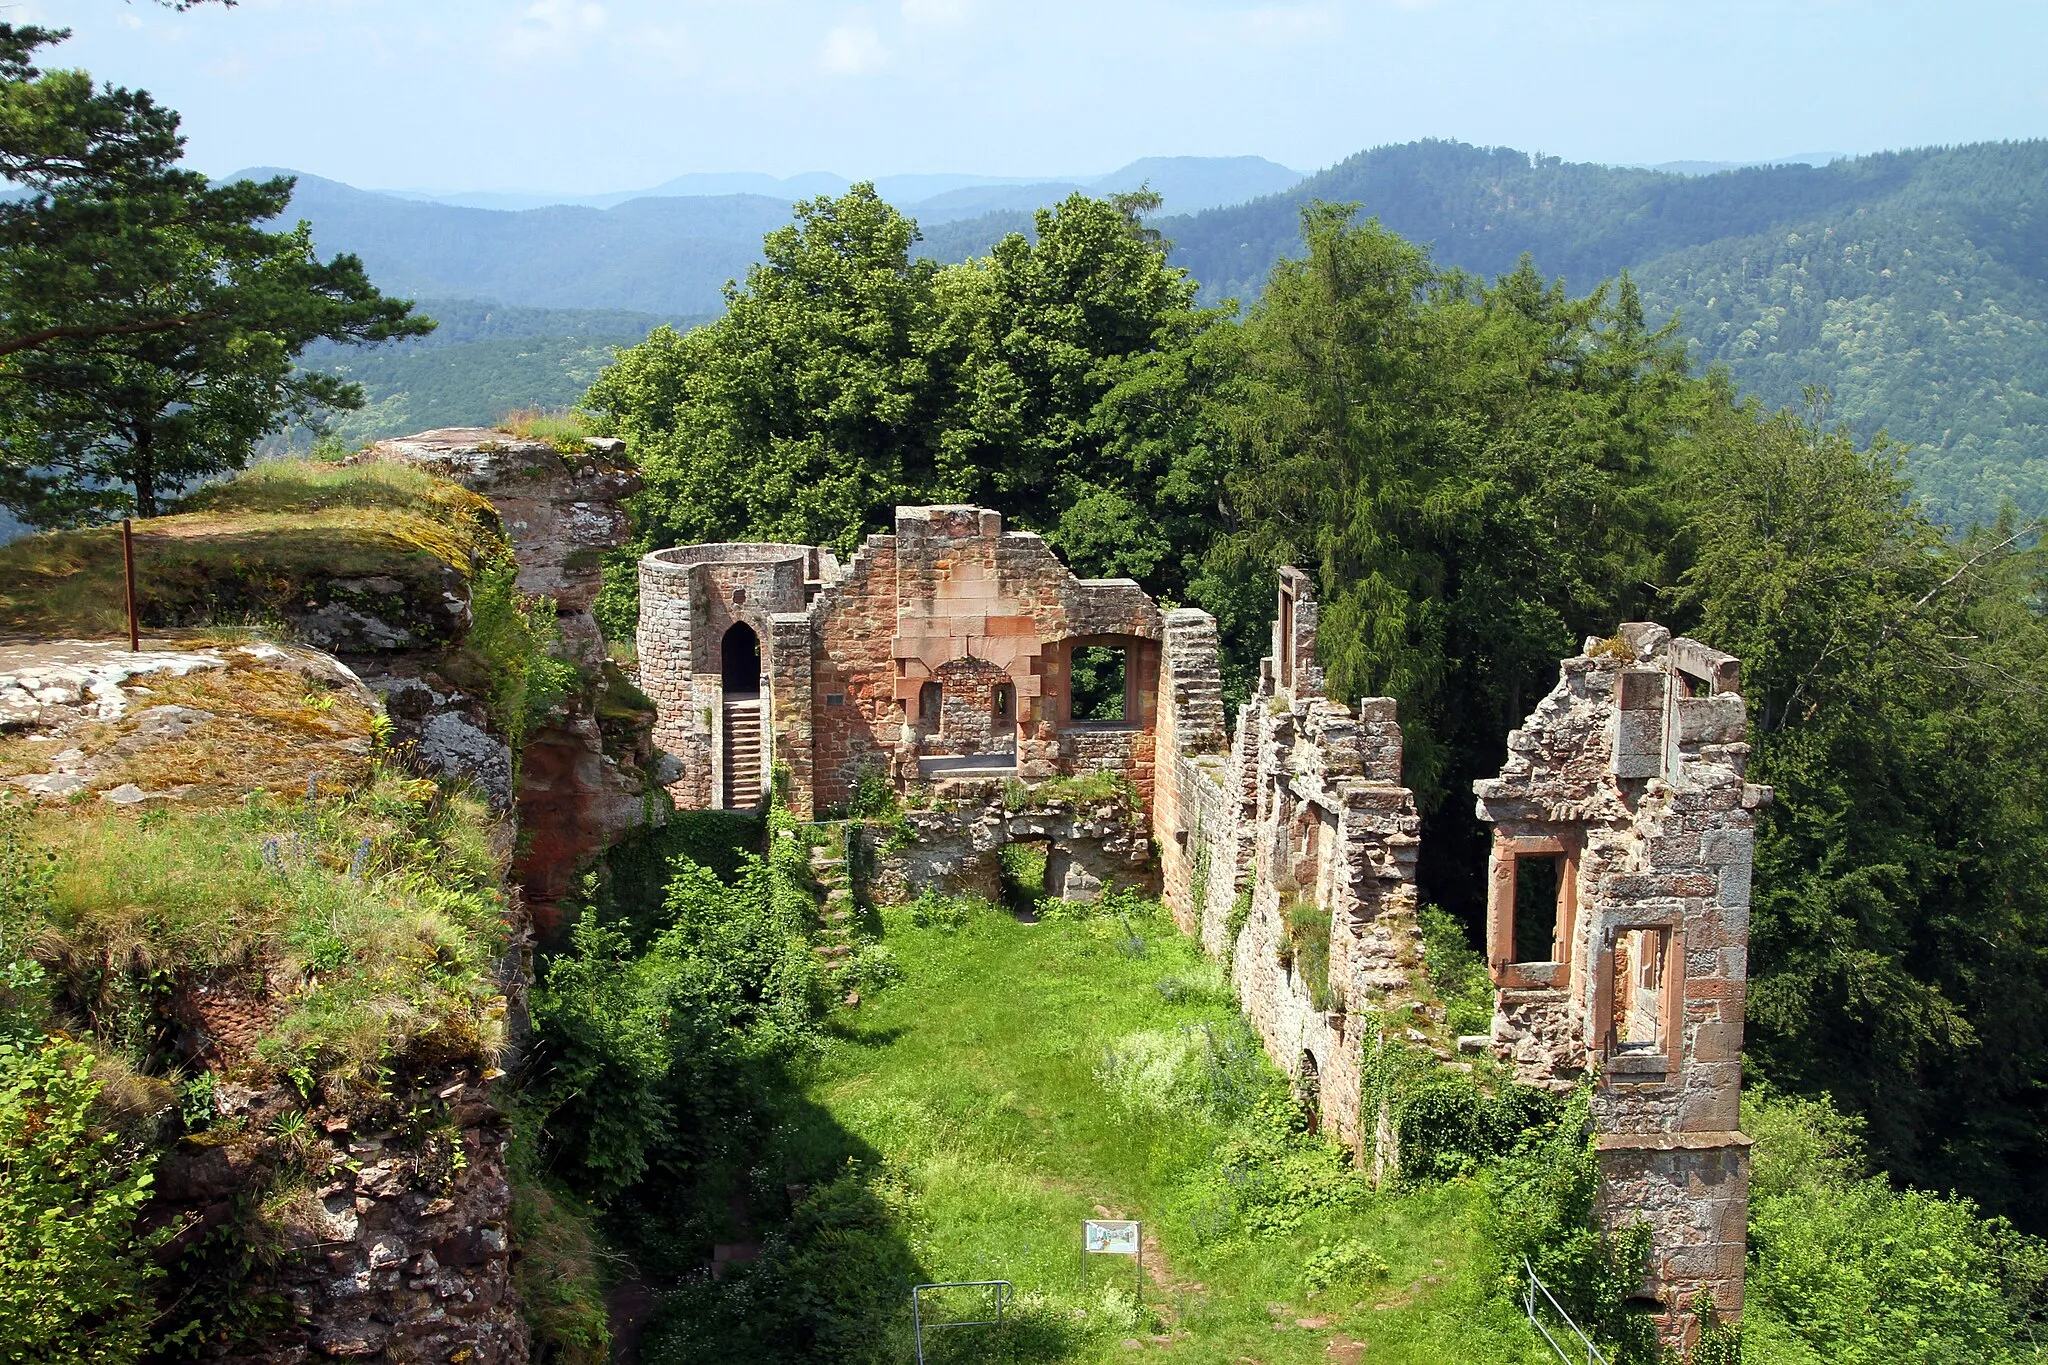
x=1913, y=284
x=1190, y=184
x=956, y=241
x=655, y=255
x=482, y=361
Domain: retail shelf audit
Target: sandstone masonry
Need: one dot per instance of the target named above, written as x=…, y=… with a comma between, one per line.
x=940, y=661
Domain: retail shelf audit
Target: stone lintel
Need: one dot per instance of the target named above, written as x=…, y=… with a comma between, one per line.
x=1671, y=1142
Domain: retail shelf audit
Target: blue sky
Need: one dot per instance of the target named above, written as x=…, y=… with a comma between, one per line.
x=594, y=95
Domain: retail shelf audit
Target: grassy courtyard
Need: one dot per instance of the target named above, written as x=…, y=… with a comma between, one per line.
x=1020, y=1078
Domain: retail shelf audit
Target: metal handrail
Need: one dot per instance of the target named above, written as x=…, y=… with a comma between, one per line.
x=1593, y=1355
x=918, y=1324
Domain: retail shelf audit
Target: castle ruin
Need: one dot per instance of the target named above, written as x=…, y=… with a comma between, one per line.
x=956, y=661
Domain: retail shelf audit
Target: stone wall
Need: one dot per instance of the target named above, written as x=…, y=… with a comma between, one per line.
x=949, y=600
x=401, y=1249
x=1303, y=816
x=690, y=600
x=957, y=849
x=1625, y=785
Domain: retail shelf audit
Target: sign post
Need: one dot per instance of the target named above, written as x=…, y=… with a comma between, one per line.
x=1114, y=1237
x=128, y=582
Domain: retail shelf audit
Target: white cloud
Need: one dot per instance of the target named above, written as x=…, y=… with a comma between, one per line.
x=1287, y=23
x=545, y=25
x=853, y=49
x=936, y=13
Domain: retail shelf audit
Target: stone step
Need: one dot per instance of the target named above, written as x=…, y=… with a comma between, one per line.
x=822, y=863
x=834, y=950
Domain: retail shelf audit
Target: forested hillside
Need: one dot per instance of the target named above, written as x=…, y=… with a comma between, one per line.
x=1912, y=284
x=482, y=361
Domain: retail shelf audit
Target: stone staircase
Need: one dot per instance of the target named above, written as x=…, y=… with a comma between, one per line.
x=742, y=755
x=834, y=941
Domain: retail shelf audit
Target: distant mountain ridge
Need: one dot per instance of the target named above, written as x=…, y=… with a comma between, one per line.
x=1190, y=184
x=1912, y=284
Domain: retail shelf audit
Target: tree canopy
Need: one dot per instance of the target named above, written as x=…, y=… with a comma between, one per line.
x=149, y=321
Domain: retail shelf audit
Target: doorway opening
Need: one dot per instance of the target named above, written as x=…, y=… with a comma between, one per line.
x=740, y=661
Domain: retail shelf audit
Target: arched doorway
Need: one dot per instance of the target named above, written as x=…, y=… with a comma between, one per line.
x=745, y=752
x=740, y=656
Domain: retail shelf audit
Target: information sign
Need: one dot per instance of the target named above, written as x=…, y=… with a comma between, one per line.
x=1110, y=1237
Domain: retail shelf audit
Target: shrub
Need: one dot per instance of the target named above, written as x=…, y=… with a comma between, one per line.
x=932, y=910
x=1339, y=1263
x=832, y=1285
x=1448, y=1126
x=1860, y=1272
x=74, y=1276
x=513, y=636
x=1543, y=1212
x=1457, y=970
x=641, y=1058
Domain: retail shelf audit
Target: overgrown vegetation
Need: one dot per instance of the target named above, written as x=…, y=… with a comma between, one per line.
x=562, y=428
x=240, y=551
x=74, y=1272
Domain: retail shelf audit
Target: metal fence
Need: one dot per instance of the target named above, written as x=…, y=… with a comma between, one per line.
x=1529, y=1293
x=920, y=1326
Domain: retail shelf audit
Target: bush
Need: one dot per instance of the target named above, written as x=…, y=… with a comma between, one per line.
x=833, y=1285
x=1340, y=1263
x=74, y=1276
x=514, y=636
x=642, y=1058
x=1449, y=1127
x=1458, y=971
x=1860, y=1272
x=1543, y=1213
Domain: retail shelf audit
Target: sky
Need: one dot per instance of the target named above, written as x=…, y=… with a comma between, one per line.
x=587, y=96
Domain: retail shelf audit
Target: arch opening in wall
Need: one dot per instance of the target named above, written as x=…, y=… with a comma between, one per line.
x=740, y=661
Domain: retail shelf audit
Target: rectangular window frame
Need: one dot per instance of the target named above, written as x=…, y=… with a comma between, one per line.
x=1622, y=1064
x=1500, y=910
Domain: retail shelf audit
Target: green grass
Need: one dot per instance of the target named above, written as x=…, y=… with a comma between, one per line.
x=562, y=428
x=979, y=1081
x=244, y=547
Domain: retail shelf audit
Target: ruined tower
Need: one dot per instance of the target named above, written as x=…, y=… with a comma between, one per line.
x=1618, y=932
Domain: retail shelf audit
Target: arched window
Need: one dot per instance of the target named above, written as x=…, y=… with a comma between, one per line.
x=740, y=661
x=929, y=698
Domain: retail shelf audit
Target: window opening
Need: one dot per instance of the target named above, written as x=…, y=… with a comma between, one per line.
x=1003, y=701
x=1538, y=879
x=740, y=661
x=930, y=698
x=1639, y=971
x=1311, y=1087
x=1096, y=689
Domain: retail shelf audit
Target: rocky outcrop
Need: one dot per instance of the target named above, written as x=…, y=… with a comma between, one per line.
x=387, y=1238
x=586, y=776
x=561, y=509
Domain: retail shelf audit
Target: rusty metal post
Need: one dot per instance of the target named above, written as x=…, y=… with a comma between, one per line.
x=128, y=576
